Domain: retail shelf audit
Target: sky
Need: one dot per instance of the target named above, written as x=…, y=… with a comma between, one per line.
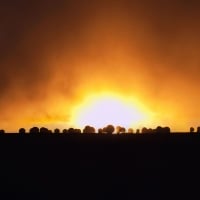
x=54, y=53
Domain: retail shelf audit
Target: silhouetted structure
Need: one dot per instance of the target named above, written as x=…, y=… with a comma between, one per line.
x=198, y=129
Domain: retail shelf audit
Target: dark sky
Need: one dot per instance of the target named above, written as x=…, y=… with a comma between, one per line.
x=53, y=53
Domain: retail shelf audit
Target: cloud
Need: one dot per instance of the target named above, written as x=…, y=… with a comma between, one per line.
x=60, y=51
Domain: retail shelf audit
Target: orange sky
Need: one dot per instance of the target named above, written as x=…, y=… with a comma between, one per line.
x=55, y=55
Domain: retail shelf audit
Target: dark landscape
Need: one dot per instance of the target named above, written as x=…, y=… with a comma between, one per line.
x=93, y=166
x=69, y=63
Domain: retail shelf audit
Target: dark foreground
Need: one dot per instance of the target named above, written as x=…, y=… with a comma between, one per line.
x=99, y=167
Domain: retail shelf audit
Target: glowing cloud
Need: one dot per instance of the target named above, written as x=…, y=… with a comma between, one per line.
x=102, y=109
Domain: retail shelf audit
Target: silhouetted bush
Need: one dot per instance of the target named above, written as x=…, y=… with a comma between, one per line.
x=138, y=131
x=130, y=131
x=198, y=129
x=89, y=129
x=70, y=130
x=122, y=130
x=65, y=131
x=117, y=129
x=104, y=130
x=22, y=131
x=2, y=131
x=151, y=131
x=159, y=129
x=164, y=131
x=56, y=131
x=144, y=130
x=44, y=130
x=191, y=129
x=100, y=131
x=34, y=130
x=77, y=131
x=109, y=129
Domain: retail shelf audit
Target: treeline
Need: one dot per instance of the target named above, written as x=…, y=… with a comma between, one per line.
x=109, y=129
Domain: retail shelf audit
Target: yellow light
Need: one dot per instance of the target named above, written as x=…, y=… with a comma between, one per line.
x=102, y=109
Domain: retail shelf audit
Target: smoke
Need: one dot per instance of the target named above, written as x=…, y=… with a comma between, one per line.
x=53, y=53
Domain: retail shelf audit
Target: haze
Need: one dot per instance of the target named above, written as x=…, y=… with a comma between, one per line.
x=56, y=53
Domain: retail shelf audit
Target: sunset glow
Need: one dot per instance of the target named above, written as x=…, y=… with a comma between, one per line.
x=84, y=62
x=102, y=109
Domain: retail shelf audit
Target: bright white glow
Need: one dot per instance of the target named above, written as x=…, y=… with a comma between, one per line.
x=101, y=110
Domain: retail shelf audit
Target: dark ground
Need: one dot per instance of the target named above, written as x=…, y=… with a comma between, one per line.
x=99, y=166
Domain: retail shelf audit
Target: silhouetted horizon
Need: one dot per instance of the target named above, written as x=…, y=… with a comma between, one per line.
x=109, y=129
x=142, y=54
x=99, y=99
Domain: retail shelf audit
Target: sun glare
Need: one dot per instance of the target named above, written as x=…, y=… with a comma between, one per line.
x=103, y=109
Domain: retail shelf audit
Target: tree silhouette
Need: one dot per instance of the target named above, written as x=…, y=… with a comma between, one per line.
x=138, y=131
x=122, y=130
x=44, y=130
x=144, y=130
x=161, y=130
x=89, y=129
x=77, y=131
x=109, y=129
x=191, y=129
x=22, y=131
x=65, y=131
x=117, y=130
x=70, y=130
x=100, y=131
x=34, y=130
x=56, y=131
x=2, y=131
x=130, y=131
